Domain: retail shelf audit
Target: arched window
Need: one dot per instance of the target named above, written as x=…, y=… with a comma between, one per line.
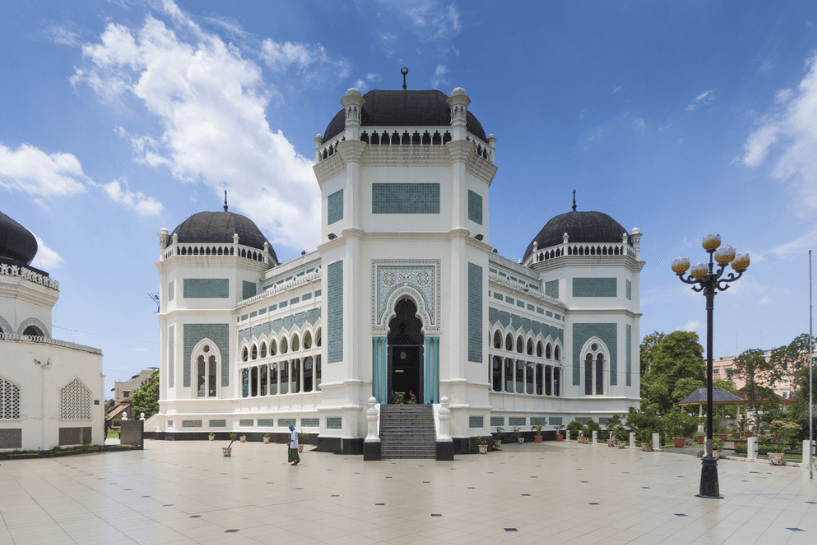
x=253, y=381
x=520, y=345
x=594, y=369
x=307, y=340
x=254, y=352
x=497, y=340
x=530, y=347
x=273, y=348
x=529, y=378
x=539, y=349
x=296, y=376
x=263, y=350
x=33, y=331
x=296, y=345
x=263, y=379
x=308, y=372
x=283, y=347
x=539, y=370
x=556, y=354
x=496, y=374
x=548, y=351
x=317, y=372
x=318, y=338
x=599, y=374
x=548, y=380
x=557, y=378
x=520, y=376
x=245, y=354
x=273, y=379
x=509, y=375
x=284, y=372
x=509, y=343
x=588, y=374
x=206, y=368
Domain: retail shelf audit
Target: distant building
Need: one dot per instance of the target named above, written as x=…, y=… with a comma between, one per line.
x=51, y=392
x=123, y=390
x=722, y=367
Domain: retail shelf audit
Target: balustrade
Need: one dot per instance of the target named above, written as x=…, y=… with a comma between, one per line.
x=28, y=274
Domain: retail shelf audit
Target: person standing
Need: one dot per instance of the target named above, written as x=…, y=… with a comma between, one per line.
x=292, y=456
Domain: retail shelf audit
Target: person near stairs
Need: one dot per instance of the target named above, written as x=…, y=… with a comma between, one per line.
x=292, y=455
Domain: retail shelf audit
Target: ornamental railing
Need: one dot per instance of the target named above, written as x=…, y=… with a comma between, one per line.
x=48, y=340
x=187, y=249
x=583, y=249
x=28, y=274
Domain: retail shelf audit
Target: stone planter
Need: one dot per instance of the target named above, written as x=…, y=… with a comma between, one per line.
x=777, y=459
x=497, y=444
x=211, y=437
x=300, y=448
x=611, y=443
x=243, y=438
x=679, y=441
x=537, y=438
x=723, y=437
x=646, y=447
x=736, y=435
x=748, y=434
x=266, y=440
x=227, y=451
x=622, y=444
x=521, y=440
x=700, y=438
x=560, y=437
x=483, y=449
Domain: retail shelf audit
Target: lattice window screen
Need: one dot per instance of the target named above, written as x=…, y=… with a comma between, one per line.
x=9, y=400
x=75, y=401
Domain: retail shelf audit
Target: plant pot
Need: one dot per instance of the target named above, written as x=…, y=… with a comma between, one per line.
x=300, y=448
x=611, y=443
x=243, y=438
x=700, y=438
x=777, y=459
x=211, y=437
x=483, y=449
x=227, y=451
x=748, y=434
x=723, y=436
x=521, y=440
x=736, y=435
x=497, y=444
x=266, y=440
x=679, y=441
x=622, y=444
x=537, y=438
x=560, y=437
x=646, y=447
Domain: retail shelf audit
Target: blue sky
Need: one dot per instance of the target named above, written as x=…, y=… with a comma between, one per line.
x=680, y=118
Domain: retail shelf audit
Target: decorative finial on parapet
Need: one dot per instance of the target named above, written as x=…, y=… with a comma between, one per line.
x=225, y=200
x=404, y=71
x=574, y=200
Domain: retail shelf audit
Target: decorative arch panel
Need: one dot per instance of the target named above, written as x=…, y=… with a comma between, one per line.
x=418, y=279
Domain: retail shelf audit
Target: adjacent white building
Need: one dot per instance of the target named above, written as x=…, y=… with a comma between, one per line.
x=51, y=391
x=405, y=296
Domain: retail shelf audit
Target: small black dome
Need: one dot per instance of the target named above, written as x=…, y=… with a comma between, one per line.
x=404, y=109
x=580, y=227
x=219, y=227
x=16, y=242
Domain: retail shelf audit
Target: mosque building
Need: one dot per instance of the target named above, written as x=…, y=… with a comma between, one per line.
x=51, y=391
x=404, y=301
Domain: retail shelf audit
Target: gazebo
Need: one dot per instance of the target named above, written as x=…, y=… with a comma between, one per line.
x=719, y=397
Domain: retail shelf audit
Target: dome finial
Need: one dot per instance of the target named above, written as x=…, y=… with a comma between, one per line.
x=574, y=200
x=225, y=201
x=404, y=71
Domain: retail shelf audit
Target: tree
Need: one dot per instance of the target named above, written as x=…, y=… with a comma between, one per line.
x=146, y=398
x=649, y=346
x=752, y=368
x=677, y=364
x=787, y=360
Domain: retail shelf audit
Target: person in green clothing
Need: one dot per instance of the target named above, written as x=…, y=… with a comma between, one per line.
x=292, y=456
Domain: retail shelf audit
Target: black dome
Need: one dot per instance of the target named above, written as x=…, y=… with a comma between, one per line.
x=16, y=242
x=580, y=227
x=219, y=227
x=404, y=109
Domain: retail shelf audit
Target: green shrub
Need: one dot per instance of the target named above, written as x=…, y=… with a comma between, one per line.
x=592, y=426
x=575, y=427
x=621, y=434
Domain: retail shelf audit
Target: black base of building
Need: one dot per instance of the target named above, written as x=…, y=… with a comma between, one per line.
x=337, y=445
x=279, y=438
x=371, y=451
x=445, y=451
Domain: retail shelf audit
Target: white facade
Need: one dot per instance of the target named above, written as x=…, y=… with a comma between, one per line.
x=403, y=295
x=51, y=391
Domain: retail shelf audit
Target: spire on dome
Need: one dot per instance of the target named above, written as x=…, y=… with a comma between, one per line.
x=574, y=200
x=225, y=201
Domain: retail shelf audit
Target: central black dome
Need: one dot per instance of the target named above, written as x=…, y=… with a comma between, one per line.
x=219, y=227
x=16, y=242
x=580, y=227
x=404, y=109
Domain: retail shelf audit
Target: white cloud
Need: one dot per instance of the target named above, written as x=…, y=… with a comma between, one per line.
x=617, y=89
x=765, y=300
x=639, y=124
x=439, y=77
x=704, y=98
x=799, y=246
x=211, y=103
x=311, y=61
x=37, y=173
x=62, y=35
x=692, y=325
x=46, y=258
x=429, y=19
x=119, y=192
x=792, y=131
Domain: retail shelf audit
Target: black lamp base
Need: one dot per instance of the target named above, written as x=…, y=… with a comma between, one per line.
x=709, y=478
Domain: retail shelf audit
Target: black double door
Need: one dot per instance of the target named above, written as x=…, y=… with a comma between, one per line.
x=405, y=372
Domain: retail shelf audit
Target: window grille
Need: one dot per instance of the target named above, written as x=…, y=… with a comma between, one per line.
x=75, y=401
x=9, y=400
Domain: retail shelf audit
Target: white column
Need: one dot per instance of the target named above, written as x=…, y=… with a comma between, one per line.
x=656, y=443
x=632, y=439
x=806, y=449
x=595, y=436
x=751, y=448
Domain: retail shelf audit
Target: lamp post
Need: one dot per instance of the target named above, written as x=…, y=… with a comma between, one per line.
x=704, y=278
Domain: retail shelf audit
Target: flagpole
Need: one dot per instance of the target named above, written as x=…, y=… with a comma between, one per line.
x=810, y=380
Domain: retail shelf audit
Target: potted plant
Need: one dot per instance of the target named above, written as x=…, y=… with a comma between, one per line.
x=303, y=437
x=498, y=438
x=244, y=438
x=538, y=427
x=612, y=423
x=228, y=449
x=717, y=447
x=559, y=436
x=482, y=442
x=266, y=439
x=518, y=434
x=211, y=436
x=399, y=398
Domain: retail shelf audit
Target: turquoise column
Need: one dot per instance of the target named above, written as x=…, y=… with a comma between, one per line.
x=375, y=371
x=435, y=341
x=427, y=397
x=383, y=391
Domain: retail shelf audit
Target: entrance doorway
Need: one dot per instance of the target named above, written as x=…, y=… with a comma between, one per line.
x=405, y=354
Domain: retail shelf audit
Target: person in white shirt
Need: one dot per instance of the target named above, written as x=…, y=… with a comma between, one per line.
x=293, y=446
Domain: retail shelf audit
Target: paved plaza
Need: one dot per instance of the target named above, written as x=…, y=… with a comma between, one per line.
x=186, y=492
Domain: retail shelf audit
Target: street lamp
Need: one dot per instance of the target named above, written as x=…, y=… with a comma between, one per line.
x=705, y=279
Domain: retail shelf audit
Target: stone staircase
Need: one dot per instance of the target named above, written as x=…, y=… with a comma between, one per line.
x=407, y=431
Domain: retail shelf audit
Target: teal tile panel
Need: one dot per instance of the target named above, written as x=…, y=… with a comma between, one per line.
x=206, y=288
x=310, y=422
x=629, y=355
x=334, y=307
x=540, y=310
x=516, y=421
x=552, y=289
x=334, y=423
x=286, y=422
x=253, y=314
x=528, y=326
x=219, y=334
x=520, y=303
x=218, y=423
x=317, y=293
x=549, y=314
x=476, y=421
x=266, y=423
x=306, y=296
x=249, y=423
x=555, y=421
x=248, y=289
x=171, y=290
x=603, y=421
x=605, y=332
x=294, y=300
x=475, y=207
x=530, y=307
x=474, y=313
x=405, y=198
x=497, y=421
x=262, y=311
x=171, y=356
x=509, y=299
x=334, y=206
x=628, y=286
x=191, y=423
x=583, y=421
x=498, y=295
x=594, y=287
